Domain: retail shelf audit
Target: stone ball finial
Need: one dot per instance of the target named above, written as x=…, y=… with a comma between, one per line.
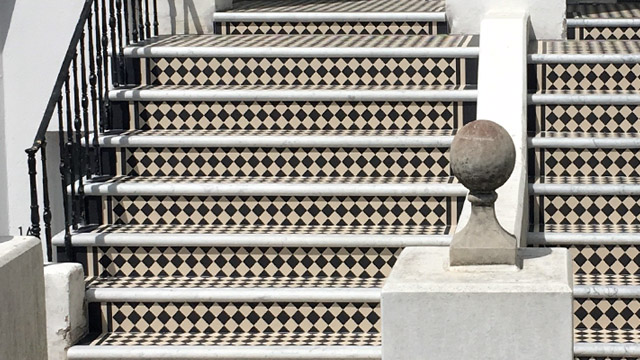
x=482, y=156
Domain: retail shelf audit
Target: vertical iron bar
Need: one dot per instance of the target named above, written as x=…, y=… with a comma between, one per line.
x=148, y=18
x=85, y=166
x=155, y=18
x=64, y=179
x=127, y=36
x=70, y=151
x=35, y=211
x=105, y=117
x=134, y=24
x=46, y=214
x=140, y=20
x=123, y=70
x=77, y=157
x=94, y=80
x=114, y=45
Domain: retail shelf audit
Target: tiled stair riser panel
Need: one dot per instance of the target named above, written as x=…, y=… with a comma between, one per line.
x=585, y=162
x=603, y=33
x=241, y=161
x=247, y=261
x=332, y=27
x=576, y=76
x=282, y=210
x=308, y=71
x=238, y=317
x=584, y=118
x=301, y=115
x=584, y=209
x=610, y=314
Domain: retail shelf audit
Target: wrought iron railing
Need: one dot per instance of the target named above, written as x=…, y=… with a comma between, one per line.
x=79, y=100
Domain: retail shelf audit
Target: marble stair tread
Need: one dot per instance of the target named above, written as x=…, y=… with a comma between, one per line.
x=279, y=138
x=606, y=344
x=260, y=235
x=274, y=186
x=362, y=6
x=240, y=289
x=273, y=45
x=585, y=52
x=295, y=93
x=131, y=346
x=585, y=140
x=585, y=97
x=584, y=235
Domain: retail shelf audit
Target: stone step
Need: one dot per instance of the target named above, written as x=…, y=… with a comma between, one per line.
x=259, y=153
x=305, y=60
x=354, y=17
x=601, y=344
x=311, y=346
x=610, y=21
x=593, y=235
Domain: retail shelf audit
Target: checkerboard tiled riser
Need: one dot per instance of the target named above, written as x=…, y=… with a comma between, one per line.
x=587, y=76
x=584, y=118
x=239, y=339
x=308, y=71
x=414, y=162
x=583, y=209
x=240, y=317
x=608, y=313
x=332, y=27
x=282, y=210
x=586, y=162
x=605, y=259
x=305, y=115
x=603, y=33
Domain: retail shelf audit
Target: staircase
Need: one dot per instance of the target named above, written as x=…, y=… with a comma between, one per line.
x=264, y=180
x=584, y=168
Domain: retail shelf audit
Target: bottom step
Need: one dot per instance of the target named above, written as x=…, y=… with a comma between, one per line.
x=242, y=346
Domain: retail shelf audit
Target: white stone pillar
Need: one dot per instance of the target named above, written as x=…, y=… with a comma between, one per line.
x=478, y=312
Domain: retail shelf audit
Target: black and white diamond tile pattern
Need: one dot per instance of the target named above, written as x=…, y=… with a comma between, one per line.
x=280, y=180
x=587, y=162
x=238, y=339
x=306, y=71
x=584, y=180
x=606, y=279
x=242, y=317
x=604, y=33
x=586, y=118
x=231, y=282
x=623, y=10
x=621, y=262
x=281, y=210
x=585, y=210
x=607, y=336
x=419, y=162
x=239, y=262
x=588, y=77
x=607, y=314
x=332, y=28
x=339, y=6
x=308, y=115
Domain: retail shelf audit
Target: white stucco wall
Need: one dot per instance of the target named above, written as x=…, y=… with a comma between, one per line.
x=38, y=36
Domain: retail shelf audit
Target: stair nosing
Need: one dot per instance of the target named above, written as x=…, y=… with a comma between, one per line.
x=606, y=349
x=632, y=142
x=623, y=98
x=308, y=16
x=585, y=189
x=569, y=238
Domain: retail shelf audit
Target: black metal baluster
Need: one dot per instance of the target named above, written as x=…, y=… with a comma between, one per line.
x=84, y=162
x=35, y=211
x=46, y=213
x=106, y=108
x=126, y=24
x=96, y=94
x=77, y=157
x=155, y=18
x=140, y=20
x=114, y=46
x=123, y=69
x=70, y=152
x=148, y=18
x=64, y=179
x=134, y=24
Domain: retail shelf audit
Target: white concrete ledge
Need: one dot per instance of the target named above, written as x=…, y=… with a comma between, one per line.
x=253, y=240
x=362, y=295
x=291, y=95
x=584, y=58
x=310, y=52
x=584, y=189
x=329, y=16
x=550, y=238
x=604, y=22
x=585, y=99
x=606, y=291
x=277, y=141
x=585, y=142
x=224, y=352
x=274, y=189
x=607, y=350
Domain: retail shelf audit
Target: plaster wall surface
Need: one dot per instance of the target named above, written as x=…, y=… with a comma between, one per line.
x=22, y=314
x=37, y=37
x=189, y=16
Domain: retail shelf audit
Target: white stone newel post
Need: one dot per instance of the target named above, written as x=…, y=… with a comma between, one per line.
x=483, y=298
